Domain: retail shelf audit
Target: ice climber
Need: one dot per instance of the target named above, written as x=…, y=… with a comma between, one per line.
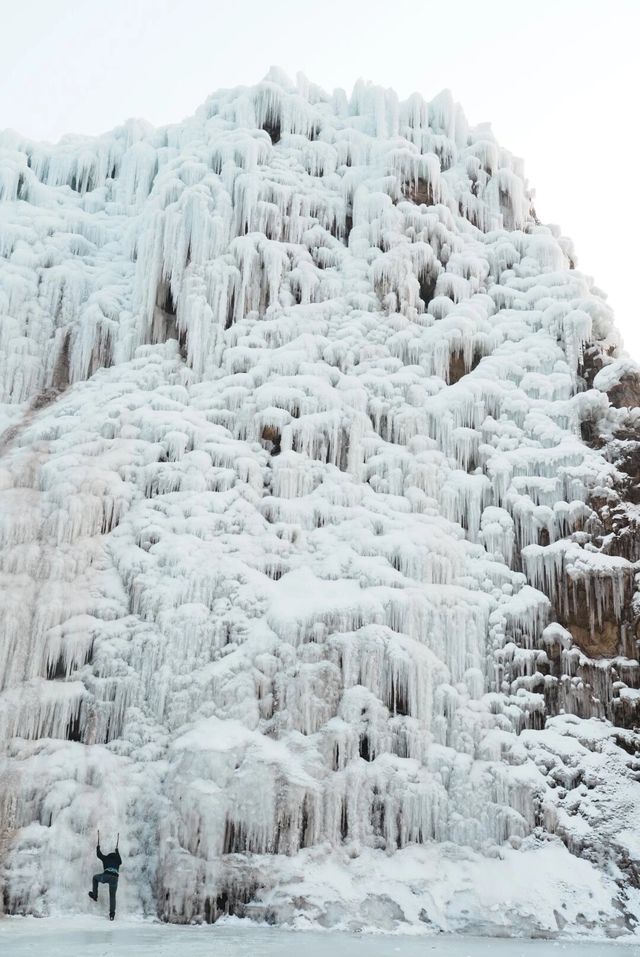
x=111, y=863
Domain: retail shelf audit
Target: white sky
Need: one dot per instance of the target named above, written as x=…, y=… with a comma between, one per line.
x=558, y=80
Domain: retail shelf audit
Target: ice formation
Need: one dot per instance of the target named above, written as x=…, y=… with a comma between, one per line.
x=319, y=518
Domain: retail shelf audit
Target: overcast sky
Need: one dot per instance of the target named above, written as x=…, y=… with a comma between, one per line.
x=558, y=79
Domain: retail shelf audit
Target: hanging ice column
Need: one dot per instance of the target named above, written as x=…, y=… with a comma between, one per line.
x=295, y=515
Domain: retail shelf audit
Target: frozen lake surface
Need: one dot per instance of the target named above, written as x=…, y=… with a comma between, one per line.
x=92, y=937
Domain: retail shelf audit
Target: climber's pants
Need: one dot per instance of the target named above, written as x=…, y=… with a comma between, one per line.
x=112, y=881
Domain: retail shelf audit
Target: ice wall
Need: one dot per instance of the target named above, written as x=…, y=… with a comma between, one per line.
x=317, y=521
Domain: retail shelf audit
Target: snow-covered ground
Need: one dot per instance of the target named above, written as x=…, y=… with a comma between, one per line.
x=92, y=937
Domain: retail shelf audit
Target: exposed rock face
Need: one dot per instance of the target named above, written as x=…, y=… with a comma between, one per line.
x=319, y=510
x=626, y=392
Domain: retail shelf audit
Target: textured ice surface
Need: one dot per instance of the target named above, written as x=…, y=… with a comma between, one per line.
x=91, y=938
x=317, y=541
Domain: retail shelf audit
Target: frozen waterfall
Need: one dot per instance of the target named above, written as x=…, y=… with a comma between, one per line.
x=319, y=526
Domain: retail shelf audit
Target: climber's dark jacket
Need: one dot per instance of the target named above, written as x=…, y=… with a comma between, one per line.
x=111, y=862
